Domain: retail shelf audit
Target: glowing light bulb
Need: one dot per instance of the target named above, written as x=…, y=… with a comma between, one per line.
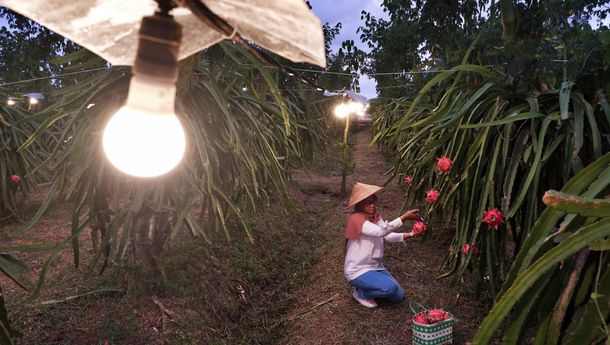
x=359, y=109
x=33, y=100
x=145, y=138
x=11, y=102
x=342, y=111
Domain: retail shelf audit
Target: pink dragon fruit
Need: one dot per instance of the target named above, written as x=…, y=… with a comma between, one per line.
x=431, y=195
x=443, y=164
x=419, y=228
x=493, y=218
x=436, y=315
x=408, y=179
x=420, y=318
x=468, y=247
x=15, y=179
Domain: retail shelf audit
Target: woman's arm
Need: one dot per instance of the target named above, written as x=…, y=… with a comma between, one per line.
x=375, y=230
x=394, y=237
x=410, y=214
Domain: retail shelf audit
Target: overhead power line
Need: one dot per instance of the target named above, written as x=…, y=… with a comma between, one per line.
x=53, y=76
x=362, y=74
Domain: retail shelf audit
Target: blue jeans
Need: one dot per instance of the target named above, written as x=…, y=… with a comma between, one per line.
x=378, y=284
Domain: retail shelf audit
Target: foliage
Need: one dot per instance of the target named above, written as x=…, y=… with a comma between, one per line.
x=569, y=266
x=506, y=152
x=14, y=129
x=242, y=143
x=26, y=51
x=516, y=123
x=426, y=36
x=412, y=41
x=245, y=134
x=29, y=55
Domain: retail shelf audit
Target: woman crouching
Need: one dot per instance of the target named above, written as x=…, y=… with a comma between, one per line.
x=364, y=236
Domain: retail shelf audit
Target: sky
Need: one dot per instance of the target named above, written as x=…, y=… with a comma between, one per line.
x=347, y=12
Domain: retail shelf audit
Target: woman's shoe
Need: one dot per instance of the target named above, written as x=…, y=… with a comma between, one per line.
x=369, y=303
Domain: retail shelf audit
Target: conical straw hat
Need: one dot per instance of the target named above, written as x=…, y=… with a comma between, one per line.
x=362, y=191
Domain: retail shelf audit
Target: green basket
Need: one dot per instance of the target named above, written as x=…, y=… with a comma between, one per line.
x=434, y=334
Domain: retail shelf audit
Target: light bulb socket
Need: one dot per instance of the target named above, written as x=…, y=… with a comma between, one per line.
x=158, y=47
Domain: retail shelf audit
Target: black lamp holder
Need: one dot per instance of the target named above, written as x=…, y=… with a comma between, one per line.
x=158, y=45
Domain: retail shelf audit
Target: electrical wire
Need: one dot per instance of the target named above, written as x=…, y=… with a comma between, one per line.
x=248, y=65
x=53, y=76
x=364, y=74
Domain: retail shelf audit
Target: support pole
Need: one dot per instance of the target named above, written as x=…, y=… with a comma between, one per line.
x=345, y=156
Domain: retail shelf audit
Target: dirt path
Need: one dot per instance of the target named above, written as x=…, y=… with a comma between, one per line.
x=324, y=311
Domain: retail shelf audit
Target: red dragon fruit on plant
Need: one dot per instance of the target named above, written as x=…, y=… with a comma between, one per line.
x=431, y=195
x=443, y=164
x=468, y=247
x=408, y=179
x=419, y=228
x=493, y=217
x=15, y=179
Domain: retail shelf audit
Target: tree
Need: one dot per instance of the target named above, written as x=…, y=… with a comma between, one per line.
x=418, y=35
x=27, y=50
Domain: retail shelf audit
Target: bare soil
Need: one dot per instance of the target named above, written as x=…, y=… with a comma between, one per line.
x=286, y=288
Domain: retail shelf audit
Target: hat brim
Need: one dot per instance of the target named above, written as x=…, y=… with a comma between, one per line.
x=362, y=191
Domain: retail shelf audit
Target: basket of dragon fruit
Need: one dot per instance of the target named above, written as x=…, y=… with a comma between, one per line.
x=432, y=327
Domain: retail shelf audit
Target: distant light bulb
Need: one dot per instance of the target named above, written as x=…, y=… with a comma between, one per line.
x=359, y=109
x=145, y=138
x=33, y=100
x=11, y=102
x=342, y=111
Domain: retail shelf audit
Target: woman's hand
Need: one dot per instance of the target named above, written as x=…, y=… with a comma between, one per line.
x=406, y=235
x=410, y=214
